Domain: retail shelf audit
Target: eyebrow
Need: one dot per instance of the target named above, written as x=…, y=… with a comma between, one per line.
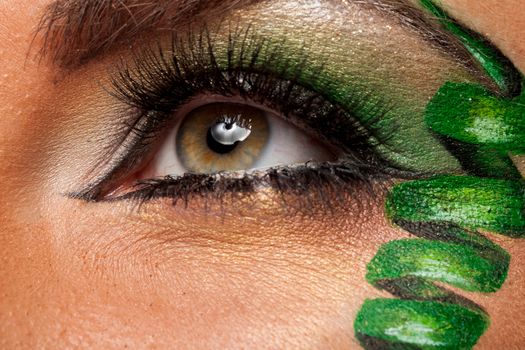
x=75, y=31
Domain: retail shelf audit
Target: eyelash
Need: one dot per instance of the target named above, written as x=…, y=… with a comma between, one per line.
x=158, y=82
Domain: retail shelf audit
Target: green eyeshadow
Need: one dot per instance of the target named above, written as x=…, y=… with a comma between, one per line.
x=375, y=69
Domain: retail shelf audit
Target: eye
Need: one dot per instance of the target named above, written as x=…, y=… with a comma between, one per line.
x=200, y=125
x=227, y=137
x=226, y=108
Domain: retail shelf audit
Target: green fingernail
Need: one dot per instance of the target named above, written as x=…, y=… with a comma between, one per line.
x=471, y=114
x=471, y=202
x=497, y=66
x=446, y=212
x=455, y=264
x=425, y=325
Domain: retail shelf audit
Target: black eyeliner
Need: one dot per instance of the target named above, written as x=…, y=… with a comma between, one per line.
x=159, y=81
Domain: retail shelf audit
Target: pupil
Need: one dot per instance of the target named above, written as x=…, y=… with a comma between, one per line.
x=222, y=137
x=218, y=147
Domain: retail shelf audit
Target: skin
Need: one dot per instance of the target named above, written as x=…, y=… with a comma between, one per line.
x=106, y=275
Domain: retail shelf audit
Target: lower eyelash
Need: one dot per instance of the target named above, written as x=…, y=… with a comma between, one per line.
x=305, y=182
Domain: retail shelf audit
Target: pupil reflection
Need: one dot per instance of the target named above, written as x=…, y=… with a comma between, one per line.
x=227, y=133
x=217, y=146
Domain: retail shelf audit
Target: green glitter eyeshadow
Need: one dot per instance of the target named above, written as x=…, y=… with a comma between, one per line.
x=358, y=70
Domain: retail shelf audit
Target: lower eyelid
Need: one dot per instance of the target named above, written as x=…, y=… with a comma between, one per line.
x=327, y=181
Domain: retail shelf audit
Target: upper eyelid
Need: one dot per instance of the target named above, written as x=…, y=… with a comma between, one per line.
x=403, y=31
x=76, y=31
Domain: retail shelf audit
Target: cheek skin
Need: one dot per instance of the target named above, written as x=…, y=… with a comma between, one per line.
x=175, y=276
x=168, y=276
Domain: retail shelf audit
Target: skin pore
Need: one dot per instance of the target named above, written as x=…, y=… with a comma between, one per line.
x=249, y=274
